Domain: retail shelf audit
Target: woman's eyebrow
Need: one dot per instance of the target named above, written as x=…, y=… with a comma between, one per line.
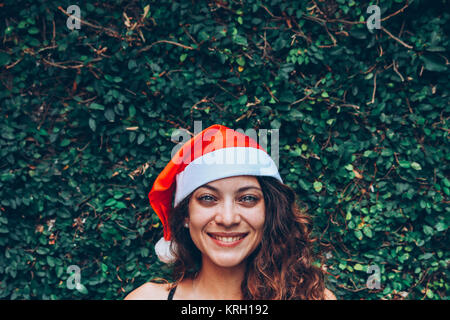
x=207, y=186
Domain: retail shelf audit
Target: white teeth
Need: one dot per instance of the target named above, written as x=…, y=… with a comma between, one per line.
x=227, y=239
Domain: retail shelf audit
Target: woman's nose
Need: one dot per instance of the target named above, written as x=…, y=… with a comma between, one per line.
x=228, y=214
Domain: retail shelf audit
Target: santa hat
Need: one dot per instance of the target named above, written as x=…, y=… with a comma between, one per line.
x=215, y=153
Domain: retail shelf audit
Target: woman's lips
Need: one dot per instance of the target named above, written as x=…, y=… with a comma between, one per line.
x=227, y=239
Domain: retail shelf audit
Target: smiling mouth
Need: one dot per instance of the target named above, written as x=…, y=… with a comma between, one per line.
x=228, y=237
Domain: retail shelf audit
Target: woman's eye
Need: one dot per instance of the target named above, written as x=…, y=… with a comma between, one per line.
x=249, y=199
x=206, y=198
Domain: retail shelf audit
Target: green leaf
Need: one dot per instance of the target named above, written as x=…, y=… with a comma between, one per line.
x=241, y=61
x=416, y=166
x=404, y=164
x=446, y=182
x=432, y=63
x=110, y=202
x=358, y=267
x=131, y=111
x=367, y=231
x=65, y=143
x=96, y=106
x=141, y=138
x=358, y=234
x=234, y=80
x=360, y=34
x=330, y=121
x=132, y=64
x=317, y=186
x=275, y=124
x=203, y=36
x=4, y=58
x=92, y=124
x=33, y=30
x=240, y=40
x=145, y=252
x=120, y=205
x=81, y=288
x=109, y=115
x=441, y=226
x=50, y=261
x=243, y=100
x=43, y=251
x=426, y=256
x=118, y=195
x=428, y=230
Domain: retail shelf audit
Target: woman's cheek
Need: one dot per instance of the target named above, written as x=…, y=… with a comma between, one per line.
x=197, y=223
x=256, y=218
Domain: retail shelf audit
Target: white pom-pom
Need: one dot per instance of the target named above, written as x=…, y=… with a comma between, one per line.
x=164, y=252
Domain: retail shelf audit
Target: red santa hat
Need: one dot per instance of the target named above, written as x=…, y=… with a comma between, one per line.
x=215, y=153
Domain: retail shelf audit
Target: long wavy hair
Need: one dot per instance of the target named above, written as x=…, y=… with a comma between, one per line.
x=281, y=267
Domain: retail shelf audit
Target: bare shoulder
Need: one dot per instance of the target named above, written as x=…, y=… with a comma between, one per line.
x=149, y=291
x=329, y=295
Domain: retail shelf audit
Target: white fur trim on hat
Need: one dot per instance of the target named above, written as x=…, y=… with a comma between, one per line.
x=164, y=251
x=224, y=163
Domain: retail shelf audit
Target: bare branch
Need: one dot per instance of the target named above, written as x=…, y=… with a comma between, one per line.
x=395, y=38
x=165, y=41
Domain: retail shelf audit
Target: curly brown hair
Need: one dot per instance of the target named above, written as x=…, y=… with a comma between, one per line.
x=280, y=267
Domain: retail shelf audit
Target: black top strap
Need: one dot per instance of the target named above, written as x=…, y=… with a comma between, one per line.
x=171, y=293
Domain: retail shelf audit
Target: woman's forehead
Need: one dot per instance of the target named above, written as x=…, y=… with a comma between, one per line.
x=233, y=183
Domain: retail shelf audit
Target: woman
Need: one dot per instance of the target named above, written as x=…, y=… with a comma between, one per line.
x=234, y=231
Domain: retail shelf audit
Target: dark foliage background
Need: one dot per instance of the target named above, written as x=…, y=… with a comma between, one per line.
x=87, y=117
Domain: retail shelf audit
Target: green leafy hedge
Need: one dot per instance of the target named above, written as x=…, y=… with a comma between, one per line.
x=87, y=117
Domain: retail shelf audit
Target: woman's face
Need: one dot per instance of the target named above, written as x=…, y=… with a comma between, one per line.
x=226, y=219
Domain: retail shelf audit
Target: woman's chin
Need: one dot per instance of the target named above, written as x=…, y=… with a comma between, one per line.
x=227, y=260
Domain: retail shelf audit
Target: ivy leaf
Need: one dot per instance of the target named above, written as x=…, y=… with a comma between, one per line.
x=358, y=267
x=92, y=124
x=416, y=166
x=96, y=106
x=120, y=205
x=65, y=143
x=4, y=58
x=433, y=63
x=241, y=61
x=141, y=138
x=33, y=30
x=110, y=202
x=109, y=115
x=404, y=164
x=348, y=216
x=81, y=288
x=317, y=186
x=367, y=232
